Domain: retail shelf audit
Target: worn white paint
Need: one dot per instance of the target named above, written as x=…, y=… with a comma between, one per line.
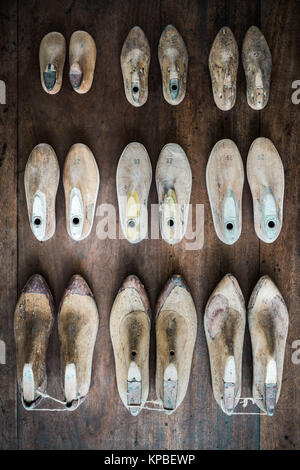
x=271, y=374
x=134, y=372
x=28, y=383
x=76, y=214
x=230, y=372
x=70, y=383
x=171, y=372
x=2, y=352
x=38, y=220
x=2, y=92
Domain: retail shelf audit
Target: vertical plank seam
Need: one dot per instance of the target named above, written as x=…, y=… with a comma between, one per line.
x=226, y=12
x=17, y=213
x=259, y=245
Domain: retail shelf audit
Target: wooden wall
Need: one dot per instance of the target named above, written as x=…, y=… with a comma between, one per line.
x=106, y=122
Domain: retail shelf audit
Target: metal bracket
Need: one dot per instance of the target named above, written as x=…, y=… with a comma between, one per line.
x=229, y=396
x=230, y=216
x=134, y=392
x=270, y=398
x=49, y=77
x=170, y=394
x=174, y=88
x=269, y=213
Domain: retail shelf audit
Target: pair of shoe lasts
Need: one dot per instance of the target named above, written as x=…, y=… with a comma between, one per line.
x=225, y=180
x=135, y=61
x=224, y=323
x=223, y=66
x=81, y=183
x=176, y=329
x=82, y=58
x=77, y=326
x=173, y=183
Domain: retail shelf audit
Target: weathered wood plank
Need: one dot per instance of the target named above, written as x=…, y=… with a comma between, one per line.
x=8, y=225
x=280, y=121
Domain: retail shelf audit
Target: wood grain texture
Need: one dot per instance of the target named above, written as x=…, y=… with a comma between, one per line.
x=8, y=225
x=105, y=121
x=280, y=121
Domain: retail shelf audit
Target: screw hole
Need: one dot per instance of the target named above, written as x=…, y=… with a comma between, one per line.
x=174, y=87
x=170, y=222
x=135, y=89
x=75, y=221
x=229, y=226
x=37, y=222
x=271, y=224
x=172, y=353
x=133, y=353
x=131, y=223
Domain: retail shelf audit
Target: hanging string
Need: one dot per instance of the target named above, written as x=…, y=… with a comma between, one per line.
x=153, y=402
x=46, y=396
x=244, y=399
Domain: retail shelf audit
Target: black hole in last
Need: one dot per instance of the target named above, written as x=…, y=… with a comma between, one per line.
x=75, y=221
x=37, y=222
x=131, y=223
x=133, y=353
x=174, y=87
x=28, y=403
x=229, y=226
x=271, y=224
x=170, y=222
x=69, y=405
x=172, y=353
x=135, y=89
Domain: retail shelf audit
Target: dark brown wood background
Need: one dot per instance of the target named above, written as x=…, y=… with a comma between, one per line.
x=106, y=122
